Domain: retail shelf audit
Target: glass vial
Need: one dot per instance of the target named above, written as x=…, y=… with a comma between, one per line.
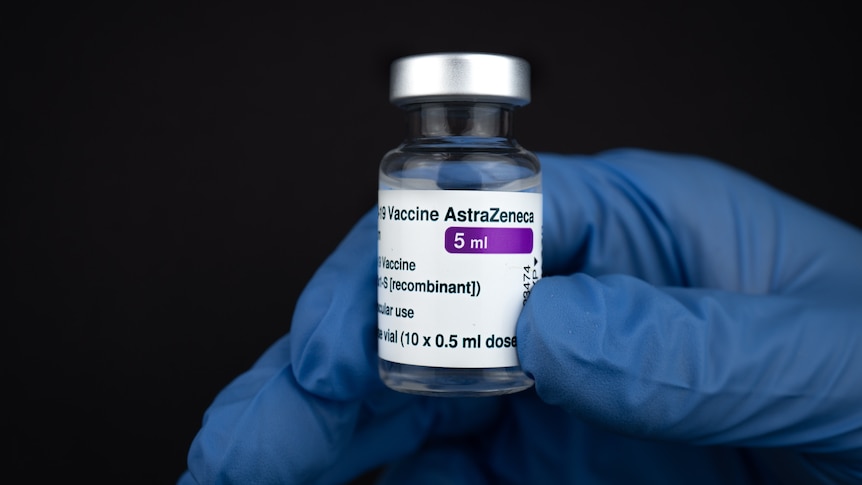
x=459, y=219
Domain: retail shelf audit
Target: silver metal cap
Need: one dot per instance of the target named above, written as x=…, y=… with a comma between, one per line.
x=457, y=76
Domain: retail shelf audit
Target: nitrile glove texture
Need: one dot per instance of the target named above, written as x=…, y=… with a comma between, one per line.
x=694, y=325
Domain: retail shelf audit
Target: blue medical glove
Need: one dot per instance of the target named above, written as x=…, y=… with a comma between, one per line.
x=702, y=328
x=696, y=305
x=312, y=409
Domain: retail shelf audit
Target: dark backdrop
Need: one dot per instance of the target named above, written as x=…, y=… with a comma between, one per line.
x=174, y=174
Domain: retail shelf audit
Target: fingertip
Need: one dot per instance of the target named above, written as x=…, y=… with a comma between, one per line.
x=557, y=331
x=578, y=361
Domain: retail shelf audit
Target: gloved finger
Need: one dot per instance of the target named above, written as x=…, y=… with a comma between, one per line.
x=780, y=311
x=681, y=220
x=700, y=366
x=334, y=344
x=265, y=428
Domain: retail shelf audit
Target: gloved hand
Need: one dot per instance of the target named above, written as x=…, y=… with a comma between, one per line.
x=693, y=326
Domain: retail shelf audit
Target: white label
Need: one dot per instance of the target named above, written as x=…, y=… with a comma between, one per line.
x=454, y=269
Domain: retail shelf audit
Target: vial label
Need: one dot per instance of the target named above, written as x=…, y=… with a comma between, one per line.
x=454, y=269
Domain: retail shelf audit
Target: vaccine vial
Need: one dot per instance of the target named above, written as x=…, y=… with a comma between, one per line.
x=459, y=227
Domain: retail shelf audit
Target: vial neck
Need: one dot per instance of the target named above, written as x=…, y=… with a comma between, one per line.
x=459, y=122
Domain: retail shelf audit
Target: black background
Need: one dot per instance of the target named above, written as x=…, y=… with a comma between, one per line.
x=173, y=175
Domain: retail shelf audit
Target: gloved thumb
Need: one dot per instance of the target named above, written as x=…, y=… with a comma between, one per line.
x=695, y=365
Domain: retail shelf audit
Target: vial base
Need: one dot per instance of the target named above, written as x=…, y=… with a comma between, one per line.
x=449, y=382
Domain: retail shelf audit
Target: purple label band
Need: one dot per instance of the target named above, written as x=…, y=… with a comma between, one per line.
x=489, y=240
